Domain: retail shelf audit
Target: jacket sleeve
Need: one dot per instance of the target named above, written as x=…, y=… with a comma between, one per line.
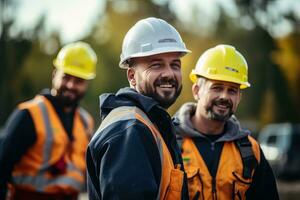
x=19, y=135
x=123, y=163
x=263, y=180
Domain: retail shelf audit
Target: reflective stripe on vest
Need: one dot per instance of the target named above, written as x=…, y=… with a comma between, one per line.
x=49, y=135
x=171, y=179
x=87, y=121
x=39, y=179
x=229, y=182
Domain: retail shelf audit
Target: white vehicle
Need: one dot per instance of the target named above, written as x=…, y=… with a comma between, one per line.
x=281, y=146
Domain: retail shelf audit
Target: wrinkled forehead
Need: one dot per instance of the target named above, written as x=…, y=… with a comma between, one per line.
x=164, y=57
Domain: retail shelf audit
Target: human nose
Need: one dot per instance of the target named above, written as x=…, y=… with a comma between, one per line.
x=168, y=71
x=70, y=83
x=224, y=94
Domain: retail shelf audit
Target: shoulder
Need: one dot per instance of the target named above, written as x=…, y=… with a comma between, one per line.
x=255, y=147
x=129, y=137
x=19, y=116
x=253, y=141
x=84, y=113
x=129, y=129
x=86, y=119
x=31, y=103
x=20, y=126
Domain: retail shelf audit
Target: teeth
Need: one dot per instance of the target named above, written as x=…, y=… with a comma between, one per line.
x=221, y=106
x=165, y=86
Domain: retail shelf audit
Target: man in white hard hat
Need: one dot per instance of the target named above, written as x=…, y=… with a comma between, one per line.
x=221, y=159
x=43, y=151
x=134, y=154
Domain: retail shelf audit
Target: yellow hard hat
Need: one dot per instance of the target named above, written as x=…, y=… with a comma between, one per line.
x=223, y=63
x=77, y=59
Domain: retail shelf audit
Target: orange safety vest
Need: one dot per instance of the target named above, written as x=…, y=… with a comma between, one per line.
x=171, y=177
x=32, y=173
x=229, y=183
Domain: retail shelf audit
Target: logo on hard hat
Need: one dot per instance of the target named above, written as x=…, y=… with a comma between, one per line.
x=232, y=69
x=167, y=40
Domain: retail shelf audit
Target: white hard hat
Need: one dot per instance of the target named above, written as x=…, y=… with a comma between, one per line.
x=148, y=37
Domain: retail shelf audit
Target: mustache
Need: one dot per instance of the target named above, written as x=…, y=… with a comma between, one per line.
x=166, y=81
x=224, y=102
x=69, y=90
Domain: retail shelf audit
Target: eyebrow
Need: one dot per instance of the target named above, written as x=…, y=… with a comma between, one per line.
x=159, y=60
x=217, y=84
x=221, y=84
x=177, y=60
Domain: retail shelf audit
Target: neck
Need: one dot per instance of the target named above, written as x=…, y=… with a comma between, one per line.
x=67, y=109
x=207, y=126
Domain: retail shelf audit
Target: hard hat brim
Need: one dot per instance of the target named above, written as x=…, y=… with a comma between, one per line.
x=243, y=85
x=154, y=52
x=70, y=70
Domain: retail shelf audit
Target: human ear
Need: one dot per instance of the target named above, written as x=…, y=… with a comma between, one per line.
x=131, y=76
x=240, y=97
x=195, y=90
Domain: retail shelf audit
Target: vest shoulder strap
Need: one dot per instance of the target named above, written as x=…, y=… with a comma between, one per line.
x=248, y=158
x=126, y=113
x=85, y=117
x=179, y=140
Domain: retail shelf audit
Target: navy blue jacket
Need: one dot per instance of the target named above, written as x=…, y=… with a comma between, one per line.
x=123, y=161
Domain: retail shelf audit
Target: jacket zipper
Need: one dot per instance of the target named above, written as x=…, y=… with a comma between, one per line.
x=212, y=146
x=214, y=190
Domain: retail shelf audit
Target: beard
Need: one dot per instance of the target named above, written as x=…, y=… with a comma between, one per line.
x=219, y=116
x=69, y=97
x=164, y=98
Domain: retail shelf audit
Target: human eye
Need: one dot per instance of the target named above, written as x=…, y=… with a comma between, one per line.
x=79, y=80
x=216, y=88
x=155, y=65
x=65, y=77
x=233, y=91
x=176, y=66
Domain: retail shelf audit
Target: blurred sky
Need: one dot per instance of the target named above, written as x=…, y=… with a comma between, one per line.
x=74, y=19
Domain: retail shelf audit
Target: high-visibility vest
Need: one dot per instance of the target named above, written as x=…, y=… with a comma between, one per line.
x=229, y=183
x=171, y=176
x=52, y=144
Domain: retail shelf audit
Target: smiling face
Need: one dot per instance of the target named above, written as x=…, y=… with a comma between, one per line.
x=67, y=88
x=217, y=100
x=157, y=76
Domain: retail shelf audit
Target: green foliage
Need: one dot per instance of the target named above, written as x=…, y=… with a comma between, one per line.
x=26, y=64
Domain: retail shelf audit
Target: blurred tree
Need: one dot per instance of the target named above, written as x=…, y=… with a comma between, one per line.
x=27, y=61
x=287, y=56
x=252, y=27
x=12, y=54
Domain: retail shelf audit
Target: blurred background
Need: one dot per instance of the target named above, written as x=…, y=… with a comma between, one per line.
x=266, y=32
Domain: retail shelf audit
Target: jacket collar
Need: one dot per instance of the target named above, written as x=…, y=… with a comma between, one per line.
x=126, y=97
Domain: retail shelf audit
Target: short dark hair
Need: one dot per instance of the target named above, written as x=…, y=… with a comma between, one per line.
x=200, y=80
x=130, y=62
